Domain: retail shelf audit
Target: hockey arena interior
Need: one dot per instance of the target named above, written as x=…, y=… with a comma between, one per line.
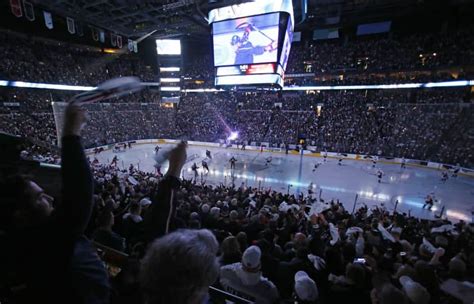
x=237, y=151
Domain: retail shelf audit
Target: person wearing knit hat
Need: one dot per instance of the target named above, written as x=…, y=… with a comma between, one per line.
x=305, y=288
x=215, y=212
x=144, y=202
x=245, y=279
x=414, y=291
x=205, y=208
x=234, y=215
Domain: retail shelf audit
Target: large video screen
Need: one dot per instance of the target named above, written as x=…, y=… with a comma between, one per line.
x=168, y=47
x=246, y=40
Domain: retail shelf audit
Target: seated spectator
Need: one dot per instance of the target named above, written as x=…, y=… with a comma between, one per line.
x=179, y=267
x=245, y=279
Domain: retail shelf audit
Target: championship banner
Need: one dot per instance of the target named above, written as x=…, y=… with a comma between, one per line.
x=95, y=34
x=48, y=20
x=79, y=29
x=296, y=36
x=119, y=41
x=113, y=39
x=102, y=36
x=70, y=25
x=29, y=11
x=15, y=6
x=130, y=45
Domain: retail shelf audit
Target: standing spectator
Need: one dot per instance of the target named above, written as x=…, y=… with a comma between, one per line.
x=43, y=246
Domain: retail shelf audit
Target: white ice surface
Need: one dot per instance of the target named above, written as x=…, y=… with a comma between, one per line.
x=409, y=186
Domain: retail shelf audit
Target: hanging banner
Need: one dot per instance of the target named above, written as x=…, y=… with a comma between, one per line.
x=113, y=39
x=296, y=36
x=29, y=10
x=95, y=34
x=130, y=45
x=102, y=36
x=71, y=28
x=119, y=41
x=15, y=6
x=48, y=20
x=135, y=46
x=79, y=29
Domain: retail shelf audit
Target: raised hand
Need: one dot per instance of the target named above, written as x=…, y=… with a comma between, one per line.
x=177, y=158
x=74, y=120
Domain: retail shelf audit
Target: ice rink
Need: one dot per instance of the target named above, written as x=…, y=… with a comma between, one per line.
x=294, y=173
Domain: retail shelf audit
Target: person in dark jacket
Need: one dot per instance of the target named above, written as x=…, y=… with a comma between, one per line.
x=104, y=234
x=46, y=251
x=161, y=216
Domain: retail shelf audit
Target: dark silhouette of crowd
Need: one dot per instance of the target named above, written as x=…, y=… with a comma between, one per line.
x=415, y=124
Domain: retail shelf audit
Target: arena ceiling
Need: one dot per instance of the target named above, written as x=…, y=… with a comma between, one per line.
x=134, y=18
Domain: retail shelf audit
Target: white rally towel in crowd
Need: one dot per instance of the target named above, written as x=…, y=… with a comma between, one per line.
x=132, y=180
x=316, y=208
x=110, y=89
x=353, y=230
x=429, y=246
x=318, y=262
x=443, y=228
x=386, y=235
x=334, y=234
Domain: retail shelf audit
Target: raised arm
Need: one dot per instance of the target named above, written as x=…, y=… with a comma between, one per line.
x=162, y=209
x=77, y=182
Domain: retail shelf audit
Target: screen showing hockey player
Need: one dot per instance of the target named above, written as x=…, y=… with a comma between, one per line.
x=247, y=40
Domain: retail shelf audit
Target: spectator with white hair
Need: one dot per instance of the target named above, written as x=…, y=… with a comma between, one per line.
x=179, y=267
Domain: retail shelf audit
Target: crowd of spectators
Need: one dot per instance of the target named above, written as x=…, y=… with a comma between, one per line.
x=45, y=61
x=178, y=238
x=417, y=124
x=416, y=51
x=267, y=239
x=32, y=59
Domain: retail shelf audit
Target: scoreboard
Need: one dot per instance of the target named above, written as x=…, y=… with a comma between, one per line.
x=252, y=49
